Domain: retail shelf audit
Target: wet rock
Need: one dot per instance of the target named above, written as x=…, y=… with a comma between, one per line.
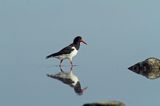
x=150, y=68
x=106, y=103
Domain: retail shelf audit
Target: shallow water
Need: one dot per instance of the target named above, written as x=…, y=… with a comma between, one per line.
x=117, y=33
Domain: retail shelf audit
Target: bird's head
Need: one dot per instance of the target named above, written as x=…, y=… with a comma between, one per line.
x=78, y=39
x=81, y=91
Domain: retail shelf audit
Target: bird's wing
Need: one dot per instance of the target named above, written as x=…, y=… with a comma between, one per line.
x=68, y=81
x=64, y=80
x=65, y=50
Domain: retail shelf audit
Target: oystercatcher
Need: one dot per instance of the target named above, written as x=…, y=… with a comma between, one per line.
x=68, y=52
x=70, y=79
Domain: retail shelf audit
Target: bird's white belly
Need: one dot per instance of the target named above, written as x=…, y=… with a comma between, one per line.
x=73, y=78
x=60, y=57
x=72, y=54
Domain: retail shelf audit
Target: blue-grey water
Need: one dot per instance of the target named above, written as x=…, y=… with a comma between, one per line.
x=118, y=33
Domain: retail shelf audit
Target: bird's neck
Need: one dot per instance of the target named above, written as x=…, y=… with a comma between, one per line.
x=77, y=45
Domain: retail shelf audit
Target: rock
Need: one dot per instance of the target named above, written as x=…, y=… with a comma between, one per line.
x=150, y=68
x=106, y=103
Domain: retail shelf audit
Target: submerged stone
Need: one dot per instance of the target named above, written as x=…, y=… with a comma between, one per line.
x=106, y=103
x=150, y=68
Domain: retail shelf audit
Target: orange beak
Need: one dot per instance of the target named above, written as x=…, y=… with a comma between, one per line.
x=83, y=41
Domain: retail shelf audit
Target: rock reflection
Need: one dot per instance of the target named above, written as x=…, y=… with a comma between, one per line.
x=106, y=103
x=149, y=68
x=69, y=78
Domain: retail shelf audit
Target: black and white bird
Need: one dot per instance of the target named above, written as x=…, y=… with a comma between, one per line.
x=70, y=79
x=68, y=52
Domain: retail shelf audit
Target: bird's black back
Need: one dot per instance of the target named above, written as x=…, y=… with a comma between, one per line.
x=66, y=50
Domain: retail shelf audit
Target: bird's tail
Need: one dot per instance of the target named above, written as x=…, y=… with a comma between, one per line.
x=51, y=55
x=50, y=75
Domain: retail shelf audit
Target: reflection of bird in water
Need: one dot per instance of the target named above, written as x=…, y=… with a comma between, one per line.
x=68, y=52
x=70, y=79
